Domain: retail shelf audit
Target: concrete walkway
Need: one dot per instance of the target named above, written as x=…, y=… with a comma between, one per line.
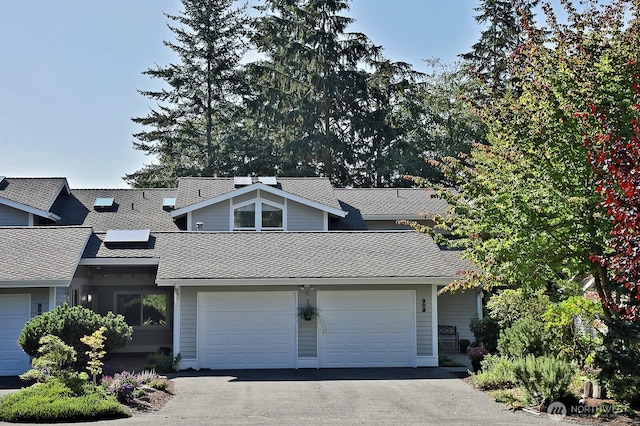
x=342, y=396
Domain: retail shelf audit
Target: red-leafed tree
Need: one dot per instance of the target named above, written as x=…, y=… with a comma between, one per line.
x=614, y=154
x=615, y=158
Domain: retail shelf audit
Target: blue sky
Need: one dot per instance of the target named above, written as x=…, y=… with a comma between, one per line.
x=70, y=71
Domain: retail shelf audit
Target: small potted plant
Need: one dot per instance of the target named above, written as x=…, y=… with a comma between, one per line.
x=476, y=355
x=307, y=312
x=464, y=344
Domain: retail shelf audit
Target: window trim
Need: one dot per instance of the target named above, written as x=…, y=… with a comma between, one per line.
x=258, y=201
x=143, y=293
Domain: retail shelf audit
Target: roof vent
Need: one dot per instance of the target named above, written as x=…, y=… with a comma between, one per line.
x=199, y=226
x=104, y=204
x=239, y=181
x=168, y=204
x=119, y=236
x=268, y=180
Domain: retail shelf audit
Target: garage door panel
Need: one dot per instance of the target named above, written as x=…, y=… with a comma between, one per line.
x=247, y=330
x=14, y=312
x=367, y=328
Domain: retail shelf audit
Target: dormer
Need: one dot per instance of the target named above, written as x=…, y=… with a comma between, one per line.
x=264, y=204
x=28, y=201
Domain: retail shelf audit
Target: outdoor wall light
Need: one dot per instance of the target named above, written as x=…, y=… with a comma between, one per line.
x=89, y=297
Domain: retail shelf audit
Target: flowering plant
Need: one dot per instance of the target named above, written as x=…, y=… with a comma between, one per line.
x=477, y=353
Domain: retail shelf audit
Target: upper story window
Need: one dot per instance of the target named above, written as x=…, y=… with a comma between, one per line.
x=258, y=215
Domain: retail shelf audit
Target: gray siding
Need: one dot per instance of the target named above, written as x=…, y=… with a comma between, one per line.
x=307, y=330
x=458, y=309
x=13, y=217
x=39, y=296
x=270, y=197
x=62, y=296
x=214, y=217
x=424, y=321
x=303, y=218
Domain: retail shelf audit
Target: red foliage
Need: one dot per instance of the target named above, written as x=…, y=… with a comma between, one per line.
x=616, y=161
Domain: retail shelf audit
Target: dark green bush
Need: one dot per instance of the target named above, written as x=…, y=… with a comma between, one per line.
x=53, y=402
x=496, y=373
x=160, y=362
x=486, y=332
x=544, y=379
x=72, y=323
x=526, y=336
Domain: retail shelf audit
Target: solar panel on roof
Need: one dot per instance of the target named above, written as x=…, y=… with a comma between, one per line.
x=127, y=236
x=268, y=180
x=103, y=203
x=242, y=180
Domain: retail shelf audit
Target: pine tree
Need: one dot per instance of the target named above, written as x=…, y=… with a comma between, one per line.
x=190, y=132
x=309, y=82
x=489, y=57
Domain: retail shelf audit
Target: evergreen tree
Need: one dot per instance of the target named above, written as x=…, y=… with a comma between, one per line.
x=504, y=21
x=326, y=96
x=191, y=131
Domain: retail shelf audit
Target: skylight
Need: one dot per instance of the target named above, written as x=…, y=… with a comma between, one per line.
x=127, y=236
x=268, y=180
x=242, y=181
x=103, y=203
x=168, y=203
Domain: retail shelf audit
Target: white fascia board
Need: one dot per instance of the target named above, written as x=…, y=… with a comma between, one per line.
x=119, y=261
x=29, y=209
x=301, y=281
x=254, y=187
x=34, y=283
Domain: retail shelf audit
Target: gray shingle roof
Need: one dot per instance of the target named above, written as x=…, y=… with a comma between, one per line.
x=255, y=255
x=134, y=209
x=391, y=201
x=41, y=254
x=316, y=189
x=39, y=193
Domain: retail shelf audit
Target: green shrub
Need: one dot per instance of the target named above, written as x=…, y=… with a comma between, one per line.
x=72, y=323
x=569, y=341
x=624, y=388
x=526, y=336
x=486, y=332
x=544, y=379
x=159, y=384
x=54, y=359
x=160, y=362
x=496, y=374
x=53, y=402
x=508, y=306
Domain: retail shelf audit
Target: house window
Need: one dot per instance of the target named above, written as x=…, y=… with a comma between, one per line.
x=271, y=217
x=245, y=217
x=259, y=216
x=142, y=309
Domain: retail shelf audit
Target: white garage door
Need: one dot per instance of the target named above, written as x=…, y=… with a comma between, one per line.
x=14, y=312
x=247, y=330
x=367, y=329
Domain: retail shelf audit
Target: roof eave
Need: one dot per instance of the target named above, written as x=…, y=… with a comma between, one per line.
x=28, y=209
x=246, y=189
x=240, y=282
x=35, y=283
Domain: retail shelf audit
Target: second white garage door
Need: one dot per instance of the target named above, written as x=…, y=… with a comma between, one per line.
x=367, y=329
x=247, y=330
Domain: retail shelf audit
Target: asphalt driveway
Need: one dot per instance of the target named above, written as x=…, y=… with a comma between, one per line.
x=341, y=396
